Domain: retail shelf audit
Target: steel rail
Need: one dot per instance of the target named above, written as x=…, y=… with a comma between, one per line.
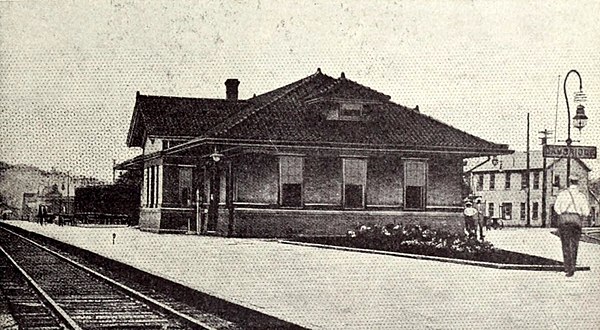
x=188, y=320
x=46, y=299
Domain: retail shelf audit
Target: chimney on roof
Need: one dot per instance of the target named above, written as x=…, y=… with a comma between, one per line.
x=231, y=91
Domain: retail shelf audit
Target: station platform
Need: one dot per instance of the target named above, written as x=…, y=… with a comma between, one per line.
x=330, y=289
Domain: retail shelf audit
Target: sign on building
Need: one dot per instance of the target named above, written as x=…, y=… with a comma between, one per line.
x=582, y=152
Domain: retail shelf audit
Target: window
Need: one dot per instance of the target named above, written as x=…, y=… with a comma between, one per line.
x=290, y=174
x=350, y=110
x=557, y=181
x=523, y=209
x=185, y=186
x=491, y=210
x=480, y=182
x=355, y=177
x=147, y=184
x=535, y=210
x=415, y=178
x=152, y=186
x=507, y=181
x=507, y=211
x=523, y=181
x=536, y=180
x=492, y=181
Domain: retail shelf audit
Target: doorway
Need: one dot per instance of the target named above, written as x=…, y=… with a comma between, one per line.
x=214, y=194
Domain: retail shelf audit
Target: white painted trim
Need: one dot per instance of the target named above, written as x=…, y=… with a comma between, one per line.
x=179, y=165
x=354, y=156
x=340, y=146
x=289, y=154
x=362, y=212
x=159, y=185
x=251, y=203
x=390, y=206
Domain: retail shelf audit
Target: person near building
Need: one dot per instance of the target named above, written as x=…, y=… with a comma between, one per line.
x=42, y=214
x=470, y=214
x=572, y=206
x=481, y=218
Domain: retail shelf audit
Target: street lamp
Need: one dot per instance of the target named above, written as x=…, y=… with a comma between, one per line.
x=580, y=119
x=495, y=161
x=216, y=156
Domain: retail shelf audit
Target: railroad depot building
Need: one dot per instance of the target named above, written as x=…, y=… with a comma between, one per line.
x=316, y=157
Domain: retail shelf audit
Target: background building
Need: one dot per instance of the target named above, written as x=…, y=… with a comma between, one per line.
x=502, y=184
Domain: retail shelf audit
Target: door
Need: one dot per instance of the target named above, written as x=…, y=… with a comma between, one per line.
x=195, y=220
x=214, y=196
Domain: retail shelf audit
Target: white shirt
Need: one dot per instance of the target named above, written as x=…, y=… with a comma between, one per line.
x=470, y=211
x=578, y=204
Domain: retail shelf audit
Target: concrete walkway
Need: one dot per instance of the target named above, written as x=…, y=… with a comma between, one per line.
x=329, y=289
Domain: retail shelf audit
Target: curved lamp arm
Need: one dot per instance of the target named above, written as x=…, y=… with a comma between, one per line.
x=567, y=100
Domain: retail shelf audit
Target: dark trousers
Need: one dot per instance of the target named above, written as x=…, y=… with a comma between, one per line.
x=569, y=232
x=470, y=226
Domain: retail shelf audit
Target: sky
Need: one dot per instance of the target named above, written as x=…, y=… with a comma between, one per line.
x=69, y=70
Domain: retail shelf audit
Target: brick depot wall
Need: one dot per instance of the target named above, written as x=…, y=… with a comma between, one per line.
x=444, y=183
x=176, y=220
x=288, y=223
x=149, y=219
x=257, y=178
x=161, y=220
x=323, y=180
x=384, y=181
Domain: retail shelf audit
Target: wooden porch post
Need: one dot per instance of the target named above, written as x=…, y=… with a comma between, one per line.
x=229, y=198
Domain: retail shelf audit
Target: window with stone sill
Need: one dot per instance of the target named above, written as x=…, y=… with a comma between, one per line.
x=480, y=182
x=535, y=210
x=507, y=211
x=291, y=178
x=536, y=180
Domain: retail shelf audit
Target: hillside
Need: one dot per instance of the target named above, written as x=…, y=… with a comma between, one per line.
x=595, y=186
x=18, y=179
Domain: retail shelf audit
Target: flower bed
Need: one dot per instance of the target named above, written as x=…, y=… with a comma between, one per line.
x=422, y=240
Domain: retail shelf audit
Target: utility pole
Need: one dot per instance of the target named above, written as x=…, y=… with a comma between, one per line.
x=114, y=165
x=544, y=139
x=528, y=173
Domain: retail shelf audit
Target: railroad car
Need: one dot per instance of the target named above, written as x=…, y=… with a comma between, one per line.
x=107, y=204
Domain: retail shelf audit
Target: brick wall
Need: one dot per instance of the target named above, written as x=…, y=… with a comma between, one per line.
x=287, y=223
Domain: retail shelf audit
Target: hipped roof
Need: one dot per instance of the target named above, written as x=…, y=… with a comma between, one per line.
x=296, y=113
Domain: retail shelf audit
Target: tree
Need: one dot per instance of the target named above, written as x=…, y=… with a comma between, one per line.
x=595, y=186
x=130, y=177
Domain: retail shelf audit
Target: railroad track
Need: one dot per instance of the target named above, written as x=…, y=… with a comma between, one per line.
x=46, y=290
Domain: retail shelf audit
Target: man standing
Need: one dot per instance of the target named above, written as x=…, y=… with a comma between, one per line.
x=572, y=206
x=470, y=213
x=481, y=218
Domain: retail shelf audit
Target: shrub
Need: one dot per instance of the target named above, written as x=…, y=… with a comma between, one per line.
x=416, y=238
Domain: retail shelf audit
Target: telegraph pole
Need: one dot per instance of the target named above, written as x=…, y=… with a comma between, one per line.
x=544, y=139
x=528, y=173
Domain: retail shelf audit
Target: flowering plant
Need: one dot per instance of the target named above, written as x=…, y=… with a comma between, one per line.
x=398, y=237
